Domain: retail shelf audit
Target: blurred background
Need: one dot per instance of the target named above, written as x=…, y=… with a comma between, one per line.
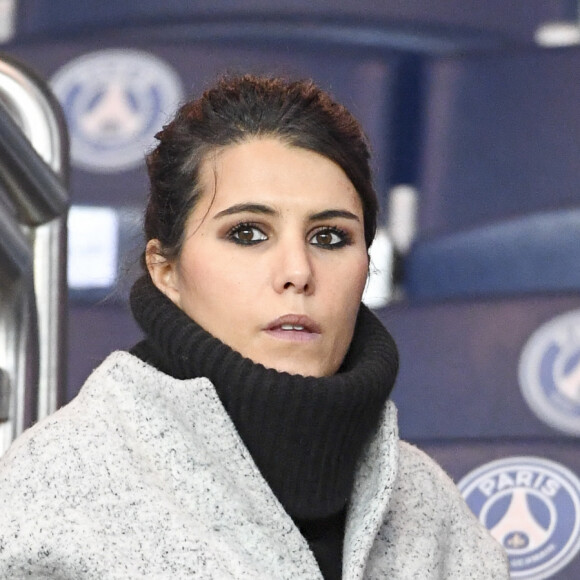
x=472, y=110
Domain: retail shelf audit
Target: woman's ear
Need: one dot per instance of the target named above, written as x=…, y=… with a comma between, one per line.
x=163, y=272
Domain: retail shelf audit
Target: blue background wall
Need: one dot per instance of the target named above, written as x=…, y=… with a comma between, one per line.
x=457, y=100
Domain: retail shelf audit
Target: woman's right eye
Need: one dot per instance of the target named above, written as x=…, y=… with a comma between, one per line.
x=246, y=235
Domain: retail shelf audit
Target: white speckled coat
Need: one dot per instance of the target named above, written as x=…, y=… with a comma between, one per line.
x=143, y=476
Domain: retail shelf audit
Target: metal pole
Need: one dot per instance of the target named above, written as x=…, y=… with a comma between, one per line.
x=33, y=297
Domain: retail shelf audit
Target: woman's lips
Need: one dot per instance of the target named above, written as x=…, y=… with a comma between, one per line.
x=296, y=327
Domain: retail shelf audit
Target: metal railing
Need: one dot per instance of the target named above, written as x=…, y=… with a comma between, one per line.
x=33, y=208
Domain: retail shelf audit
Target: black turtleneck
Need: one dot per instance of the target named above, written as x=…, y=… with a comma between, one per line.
x=305, y=434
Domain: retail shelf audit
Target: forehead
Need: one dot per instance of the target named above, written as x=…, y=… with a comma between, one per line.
x=267, y=170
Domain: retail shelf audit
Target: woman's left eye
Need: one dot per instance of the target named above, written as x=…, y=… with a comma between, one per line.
x=330, y=238
x=246, y=235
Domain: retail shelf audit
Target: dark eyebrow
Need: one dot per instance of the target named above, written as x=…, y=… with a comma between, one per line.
x=245, y=207
x=266, y=210
x=333, y=213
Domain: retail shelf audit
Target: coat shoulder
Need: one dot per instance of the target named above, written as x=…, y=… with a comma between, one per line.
x=430, y=530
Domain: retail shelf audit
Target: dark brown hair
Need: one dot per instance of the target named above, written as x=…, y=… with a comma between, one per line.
x=237, y=109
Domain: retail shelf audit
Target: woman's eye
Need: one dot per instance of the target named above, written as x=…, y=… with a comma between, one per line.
x=247, y=235
x=329, y=238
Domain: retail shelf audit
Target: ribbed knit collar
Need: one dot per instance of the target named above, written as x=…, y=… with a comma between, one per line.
x=305, y=434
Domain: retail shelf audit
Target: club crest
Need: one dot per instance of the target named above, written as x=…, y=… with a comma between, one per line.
x=549, y=372
x=531, y=506
x=114, y=102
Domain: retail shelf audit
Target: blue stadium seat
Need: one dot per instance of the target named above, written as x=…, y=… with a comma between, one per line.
x=499, y=195
x=536, y=253
x=461, y=362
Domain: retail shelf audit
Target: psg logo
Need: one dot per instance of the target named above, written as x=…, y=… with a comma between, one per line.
x=549, y=372
x=532, y=507
x=114, y=102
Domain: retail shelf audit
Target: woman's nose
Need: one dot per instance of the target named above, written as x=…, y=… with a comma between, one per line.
x=293, y=269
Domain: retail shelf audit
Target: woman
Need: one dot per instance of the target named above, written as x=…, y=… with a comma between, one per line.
x=249, y=434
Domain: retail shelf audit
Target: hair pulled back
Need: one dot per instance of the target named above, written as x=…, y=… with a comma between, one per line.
x=238, y=109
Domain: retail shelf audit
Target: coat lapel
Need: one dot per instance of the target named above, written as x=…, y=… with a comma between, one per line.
x=373, y=485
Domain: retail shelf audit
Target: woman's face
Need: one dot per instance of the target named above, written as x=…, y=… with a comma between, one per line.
x=274, y=260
